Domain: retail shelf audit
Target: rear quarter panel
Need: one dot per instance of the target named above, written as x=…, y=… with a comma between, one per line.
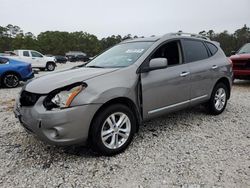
x=224, y=69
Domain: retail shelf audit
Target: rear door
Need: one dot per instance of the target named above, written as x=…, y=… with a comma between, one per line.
x=201, y=69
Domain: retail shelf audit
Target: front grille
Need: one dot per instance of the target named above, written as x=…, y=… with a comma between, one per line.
x=241, y=64
x=28, y=99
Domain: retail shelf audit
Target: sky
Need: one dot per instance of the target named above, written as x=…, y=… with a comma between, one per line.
x=137, y=17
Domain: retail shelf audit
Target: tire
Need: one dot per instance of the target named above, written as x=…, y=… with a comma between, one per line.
x=103, y=125
x=10, y=80
x=50, y=66
x=218, y=100
x=233, y=80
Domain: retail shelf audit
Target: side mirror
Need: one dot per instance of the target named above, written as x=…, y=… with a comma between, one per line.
x=154, y=64
x=233, y=52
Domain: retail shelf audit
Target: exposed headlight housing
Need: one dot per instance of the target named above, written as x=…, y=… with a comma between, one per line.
x=63, y=97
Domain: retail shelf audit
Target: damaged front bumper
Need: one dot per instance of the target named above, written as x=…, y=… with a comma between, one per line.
x=58, y=127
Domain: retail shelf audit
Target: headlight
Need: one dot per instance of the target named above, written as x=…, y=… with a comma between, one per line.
x=62, y=98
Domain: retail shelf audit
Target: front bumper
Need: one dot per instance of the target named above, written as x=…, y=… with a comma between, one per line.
x=58, y=127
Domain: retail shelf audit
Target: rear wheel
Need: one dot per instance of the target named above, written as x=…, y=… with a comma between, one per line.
x=218, y=100
x=10, y=80
x=50, y=66
x=112, y=130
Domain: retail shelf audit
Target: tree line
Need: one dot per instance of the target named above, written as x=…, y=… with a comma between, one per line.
x=58, y=42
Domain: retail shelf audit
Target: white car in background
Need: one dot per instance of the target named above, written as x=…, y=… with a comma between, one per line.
x=36, y=59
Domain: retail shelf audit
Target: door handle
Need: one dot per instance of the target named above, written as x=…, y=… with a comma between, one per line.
x=183, y=74
x=33, y=58
x=214, y=67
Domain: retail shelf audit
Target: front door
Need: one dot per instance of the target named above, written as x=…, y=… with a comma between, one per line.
x=37, y=59
x=168, y=89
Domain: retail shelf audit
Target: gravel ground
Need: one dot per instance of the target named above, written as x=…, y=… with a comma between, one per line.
x=187, y=149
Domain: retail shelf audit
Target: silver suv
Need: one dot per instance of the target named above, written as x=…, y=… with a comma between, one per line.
x=104, y=102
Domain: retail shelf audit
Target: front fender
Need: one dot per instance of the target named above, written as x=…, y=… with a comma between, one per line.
x=91, y=96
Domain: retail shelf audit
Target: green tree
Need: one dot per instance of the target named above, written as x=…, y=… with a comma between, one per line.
x=57, y=43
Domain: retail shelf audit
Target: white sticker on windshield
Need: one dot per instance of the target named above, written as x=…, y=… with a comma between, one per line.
x=135, y=51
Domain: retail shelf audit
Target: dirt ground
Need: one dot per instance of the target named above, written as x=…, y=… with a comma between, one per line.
x=183, y=149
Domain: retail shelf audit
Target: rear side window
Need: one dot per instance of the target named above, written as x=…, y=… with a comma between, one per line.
x=212, y=48
x=3, y=60
x=26, y=53
x=194, y=50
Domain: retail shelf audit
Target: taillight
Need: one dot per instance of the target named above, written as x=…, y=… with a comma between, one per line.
x=30, y=68
x=230, y=61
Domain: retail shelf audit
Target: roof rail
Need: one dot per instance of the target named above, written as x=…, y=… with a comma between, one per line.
x=190, y=35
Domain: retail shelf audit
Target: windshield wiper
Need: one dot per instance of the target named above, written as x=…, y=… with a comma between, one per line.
x=94, y=66
x=78, y=66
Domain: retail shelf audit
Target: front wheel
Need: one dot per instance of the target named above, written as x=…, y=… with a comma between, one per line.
x=112, y=130
x=10, y=80
x=218, y=100
x=50, y=66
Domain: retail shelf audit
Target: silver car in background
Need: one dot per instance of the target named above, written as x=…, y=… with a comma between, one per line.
x=104, y=102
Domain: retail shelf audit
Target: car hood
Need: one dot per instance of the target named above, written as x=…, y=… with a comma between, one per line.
x=240, y=57
x=55, y=80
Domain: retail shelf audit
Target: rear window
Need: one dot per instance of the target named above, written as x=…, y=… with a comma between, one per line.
x=212, y=48
x=194, y=50
x=26, y=53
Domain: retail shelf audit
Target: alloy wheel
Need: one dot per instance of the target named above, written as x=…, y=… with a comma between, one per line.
x=116, y=130
x=11, y=80
x=220, y=99
x=50, y=67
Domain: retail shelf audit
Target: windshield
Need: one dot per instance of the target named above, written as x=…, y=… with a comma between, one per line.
x=121, y=55
x=245, y=49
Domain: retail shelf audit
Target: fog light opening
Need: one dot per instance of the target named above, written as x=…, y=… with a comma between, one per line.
x=54, y=133
x=40, y=125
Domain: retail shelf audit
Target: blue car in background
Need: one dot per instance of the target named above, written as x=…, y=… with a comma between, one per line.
x=13, y=71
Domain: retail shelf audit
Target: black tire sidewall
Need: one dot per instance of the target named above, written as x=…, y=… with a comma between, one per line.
x=95, y=130
x=212, y=108
x=47, y=66
x=4, y=77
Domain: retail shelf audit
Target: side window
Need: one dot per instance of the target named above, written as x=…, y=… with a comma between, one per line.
x=35, y=54
x=171, y=51
x=3, y=61
x=212, y=48
x=194, y=50
x=26, y=53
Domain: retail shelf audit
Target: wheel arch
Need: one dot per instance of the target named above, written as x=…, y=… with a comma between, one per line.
x=124, y=101
x=225, y=81
x=51, y=62
x=11, y=72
